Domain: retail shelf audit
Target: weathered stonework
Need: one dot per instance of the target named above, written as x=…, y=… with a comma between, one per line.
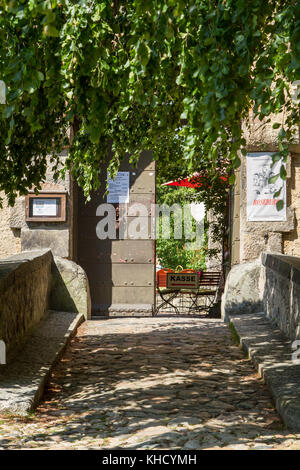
x=242, y=293
x=16, y=214
x=257, y=237
x=281, y=292
x=30, y=284
x=271, y=353
x=254, y=243
x=48, y=237
x=17, y=235
x=24, y=294
x=69, y=288
x=10, y=239
x=270, y=284
x=260, y=135
x=291, y=240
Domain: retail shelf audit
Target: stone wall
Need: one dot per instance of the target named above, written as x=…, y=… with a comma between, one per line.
x=270, y=284
x=291, y=240
x=281, y=292
x=24, y=294
x=17, y=235
x=258, y=237
x=33, y=282
x=253, y=238
x=260, y=134
x=242, y=292
x=10, y=239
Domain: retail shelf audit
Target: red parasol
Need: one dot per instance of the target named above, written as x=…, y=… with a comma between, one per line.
x=195, y=181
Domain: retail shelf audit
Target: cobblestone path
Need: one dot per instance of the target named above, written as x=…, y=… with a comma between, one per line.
x=152, y=383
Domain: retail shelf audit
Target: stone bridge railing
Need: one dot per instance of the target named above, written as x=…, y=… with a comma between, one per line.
x=31, y=283
x=280, y=284
x=271, y=285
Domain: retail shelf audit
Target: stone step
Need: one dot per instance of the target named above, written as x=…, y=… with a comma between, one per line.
x=271, y=353
x=22, y=380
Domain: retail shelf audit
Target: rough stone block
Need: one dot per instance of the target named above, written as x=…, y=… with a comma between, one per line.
x=69, y=288
x=242, y=292
x=24, y=294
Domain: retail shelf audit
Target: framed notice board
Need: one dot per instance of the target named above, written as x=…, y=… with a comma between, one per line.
x=45, y=207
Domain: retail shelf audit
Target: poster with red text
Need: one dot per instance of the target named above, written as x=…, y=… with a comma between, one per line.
x=261, y=204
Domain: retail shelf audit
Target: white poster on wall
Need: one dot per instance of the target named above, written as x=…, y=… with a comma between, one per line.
x=44, y=207
x=118, y=188
x=261, y=204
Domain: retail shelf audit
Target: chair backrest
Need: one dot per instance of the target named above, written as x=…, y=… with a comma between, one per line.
x=210, y=278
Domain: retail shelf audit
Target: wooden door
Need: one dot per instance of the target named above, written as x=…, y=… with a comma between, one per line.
x=121, y=272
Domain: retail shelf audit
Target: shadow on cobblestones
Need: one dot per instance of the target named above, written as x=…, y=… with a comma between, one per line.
x=153, y=383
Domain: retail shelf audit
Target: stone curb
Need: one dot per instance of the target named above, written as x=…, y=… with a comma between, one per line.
x=23, y=379
x=271, y=353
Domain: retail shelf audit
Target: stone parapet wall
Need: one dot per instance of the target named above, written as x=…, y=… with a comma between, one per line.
x=33, y=282
x=281, y=292
x=24, y=294
x=270, y=284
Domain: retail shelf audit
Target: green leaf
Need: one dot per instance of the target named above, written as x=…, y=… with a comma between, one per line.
x=283, y=172
x=50, y=30
x=277, y=193
x=8, y=111
x=276, y=157
x=282, y=134
x=273, y=179
x=236, y=163
x=40, y=76
x=279, y=205
x=143, y=53
x=94, y=133
x=15, y=94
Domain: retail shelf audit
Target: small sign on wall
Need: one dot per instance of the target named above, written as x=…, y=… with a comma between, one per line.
x=118, y=188
x=46, y=208
x=261, y=204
